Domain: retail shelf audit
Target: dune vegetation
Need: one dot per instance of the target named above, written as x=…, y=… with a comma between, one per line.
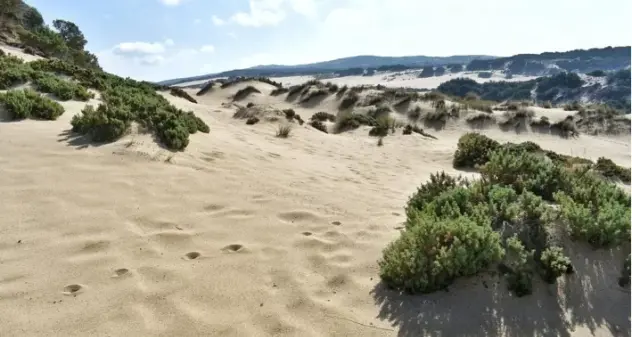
x=457, y=227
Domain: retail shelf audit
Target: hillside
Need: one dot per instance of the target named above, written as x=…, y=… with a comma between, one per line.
x=250, y=207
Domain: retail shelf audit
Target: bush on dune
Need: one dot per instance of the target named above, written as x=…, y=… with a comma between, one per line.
x=457, y=227
x=22, y=104
x=62, y=89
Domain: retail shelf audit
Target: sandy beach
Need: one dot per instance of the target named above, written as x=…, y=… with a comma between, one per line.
x=247, y=234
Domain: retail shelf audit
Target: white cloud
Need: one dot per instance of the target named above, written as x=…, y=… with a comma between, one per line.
x=207, y=49
x=197, y=21
x=168, y=42
x=171, y=2
x=139, y=48
x=262, y=13
x=217, y=21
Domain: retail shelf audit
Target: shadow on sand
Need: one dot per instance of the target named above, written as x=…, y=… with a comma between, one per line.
x=590, y=299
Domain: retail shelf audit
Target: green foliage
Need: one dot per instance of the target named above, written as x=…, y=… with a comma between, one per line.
x=519, y=278
x=351, y=121
x=323, y=116
x=473, y=150
x=555, y=263
x=22, y=104
x=179, y=92
x=252, y=120
x=106, y=123
x=349, y=100
x=433, y=252
x=245, y=92
x=611, y=170
x=63, y=89
x=318, y=125
x=382, y=125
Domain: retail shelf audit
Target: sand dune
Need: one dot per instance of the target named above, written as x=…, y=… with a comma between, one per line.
x=247, y=234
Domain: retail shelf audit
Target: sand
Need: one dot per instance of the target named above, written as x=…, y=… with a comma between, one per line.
x=408, y=79
x=246, y=234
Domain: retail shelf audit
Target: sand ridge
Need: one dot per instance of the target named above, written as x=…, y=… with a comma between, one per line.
x=247, y=234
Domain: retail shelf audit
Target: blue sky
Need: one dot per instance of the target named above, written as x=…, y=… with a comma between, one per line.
x=163, y=39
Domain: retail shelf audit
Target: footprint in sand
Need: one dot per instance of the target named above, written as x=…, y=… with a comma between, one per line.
x=336, y=223
x=307, y=233
x=121, y=272
x=298, y=216
x=72, y=289
x=192, y=255
x=234, y=248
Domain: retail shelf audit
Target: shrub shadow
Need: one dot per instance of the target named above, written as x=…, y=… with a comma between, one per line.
x=77, y=140
x=482, y=305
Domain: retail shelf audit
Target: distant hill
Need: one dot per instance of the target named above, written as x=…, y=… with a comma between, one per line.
x=346, y=66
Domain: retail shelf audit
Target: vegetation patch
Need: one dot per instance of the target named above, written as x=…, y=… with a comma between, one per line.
x=178, y=92
x=350, y=121
x=23, y=104
x=323, y=117
x=318, y=125
x=245, y=92
x=457, y=228
x=350, y=99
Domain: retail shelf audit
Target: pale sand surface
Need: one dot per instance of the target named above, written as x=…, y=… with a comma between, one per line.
x=246, y=234
x=389, y=79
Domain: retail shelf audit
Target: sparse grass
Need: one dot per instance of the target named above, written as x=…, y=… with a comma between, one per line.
x=574, y=106
x=206, y=88
x=414, y=114
x=284, y=131
x=382, y=126
x=480, y=118
x=245, y=92
x=341, y=91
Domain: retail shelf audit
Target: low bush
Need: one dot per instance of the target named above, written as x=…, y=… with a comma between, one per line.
x=318, y=125
x=252, y=120
x=473, y=150
x=323, y=117
x=382, y=125
x=555, y=263
x=350, y=121
x=62, y=89
x=178, y=92
x=245, y=92
x=349, y=101
x=22, y=104
x=565, y=128
x=314, y=95
x=103, y=124
x=611, y=170
x=519, y=278
x=279, y=91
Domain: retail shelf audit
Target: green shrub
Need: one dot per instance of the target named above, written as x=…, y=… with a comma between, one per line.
x=278, y=91
x=21, y=104
x=245, y=92
x=350, y=99
x=12, y=76
x=106, y=123
x=517, y=260
x=602, y=221
x=179, y=92
x=473, y=150
x=611, y=170
x=438, y=183
x=555, y=263
x=383, y=124
x=318, y=125
x=350, y=121
x=323, y=116
x=62, y=89
x=433, y=252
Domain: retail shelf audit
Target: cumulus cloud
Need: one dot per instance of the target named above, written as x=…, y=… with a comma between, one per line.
x=217, y=21
x=139, y=48
x=272, y=12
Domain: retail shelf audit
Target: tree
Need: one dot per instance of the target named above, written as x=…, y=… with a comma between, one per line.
x=32, y=19
x=9, y=8
x=71, y=34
